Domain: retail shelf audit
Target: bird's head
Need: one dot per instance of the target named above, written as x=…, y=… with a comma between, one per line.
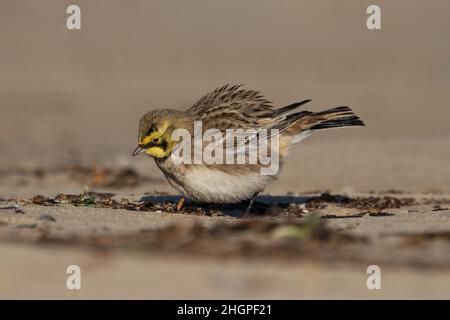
x=155, y=131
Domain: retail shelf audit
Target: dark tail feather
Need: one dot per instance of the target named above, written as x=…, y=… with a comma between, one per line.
x=306, y=120
x=289, y=108
x=352, y=121
x=334, y=118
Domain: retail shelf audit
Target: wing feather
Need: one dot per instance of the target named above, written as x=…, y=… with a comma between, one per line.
x=230, y=106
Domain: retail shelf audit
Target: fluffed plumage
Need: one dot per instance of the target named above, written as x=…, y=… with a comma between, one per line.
x=231, y=107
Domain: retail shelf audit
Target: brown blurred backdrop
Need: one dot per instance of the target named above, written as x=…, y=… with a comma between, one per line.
x=78, y=95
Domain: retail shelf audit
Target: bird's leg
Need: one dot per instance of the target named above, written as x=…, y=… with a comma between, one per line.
x=250, y=204
x=180, y=203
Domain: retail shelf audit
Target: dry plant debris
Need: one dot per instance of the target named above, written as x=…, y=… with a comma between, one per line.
x=373, y=206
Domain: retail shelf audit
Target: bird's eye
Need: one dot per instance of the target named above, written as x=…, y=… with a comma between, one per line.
x=151, y=130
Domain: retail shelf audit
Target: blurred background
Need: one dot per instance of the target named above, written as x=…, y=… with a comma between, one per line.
x=77, y=95
x=70, y=102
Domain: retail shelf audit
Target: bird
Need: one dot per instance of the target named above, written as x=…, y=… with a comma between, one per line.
x=230, y=107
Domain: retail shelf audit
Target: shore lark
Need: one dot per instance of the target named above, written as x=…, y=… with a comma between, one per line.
x=225, y=108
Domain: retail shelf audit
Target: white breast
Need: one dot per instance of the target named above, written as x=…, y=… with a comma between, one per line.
x=206, y=184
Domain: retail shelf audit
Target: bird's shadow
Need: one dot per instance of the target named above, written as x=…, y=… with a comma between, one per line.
x=260, y=206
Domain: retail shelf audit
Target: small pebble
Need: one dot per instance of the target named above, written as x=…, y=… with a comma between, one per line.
x=47, y=217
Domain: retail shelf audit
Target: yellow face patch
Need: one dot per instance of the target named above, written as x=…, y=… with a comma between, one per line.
x=150, y=138
x=159, y=141
x=157, y=152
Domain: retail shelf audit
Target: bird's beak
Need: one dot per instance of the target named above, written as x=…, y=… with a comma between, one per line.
x=137, y=150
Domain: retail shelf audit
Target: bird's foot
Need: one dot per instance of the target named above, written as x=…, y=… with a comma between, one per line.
x=249, y=206
x=180, y=204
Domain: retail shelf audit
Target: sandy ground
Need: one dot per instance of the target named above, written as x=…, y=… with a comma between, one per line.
x=69, y=106
x=164, y=254
x=125, y=276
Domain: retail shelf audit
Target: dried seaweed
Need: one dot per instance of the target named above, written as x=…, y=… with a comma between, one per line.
x=439, y=208
x=363, y=203
x=374, y=206
x=103, y=200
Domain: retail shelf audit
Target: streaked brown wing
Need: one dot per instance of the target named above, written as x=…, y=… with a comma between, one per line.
x=232, y=107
